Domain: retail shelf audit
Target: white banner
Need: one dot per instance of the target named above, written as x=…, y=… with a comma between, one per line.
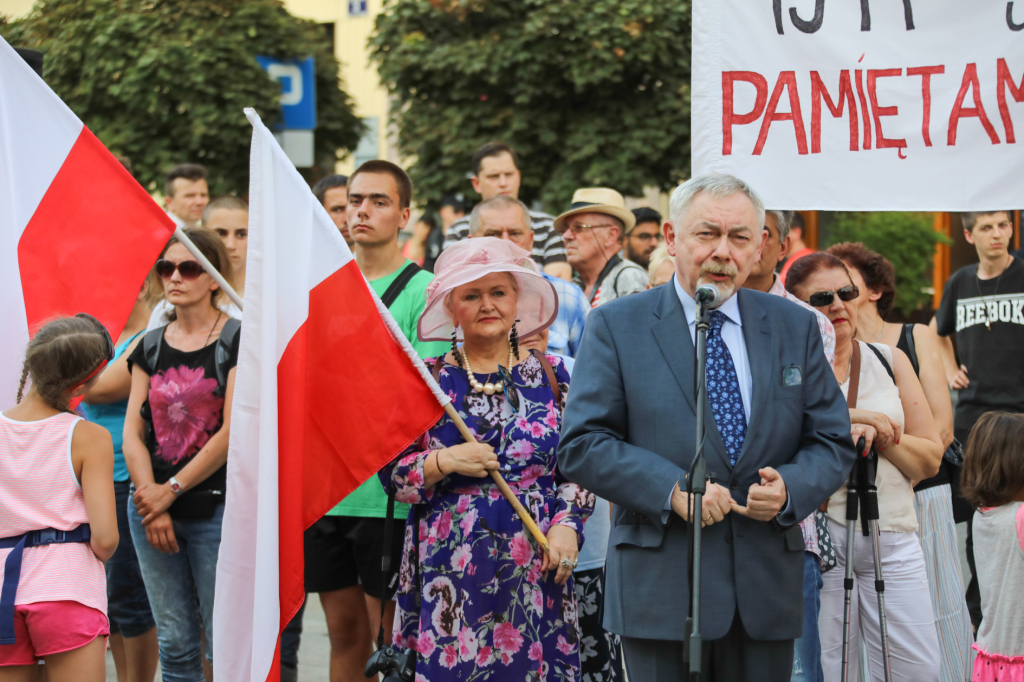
x=862, y=105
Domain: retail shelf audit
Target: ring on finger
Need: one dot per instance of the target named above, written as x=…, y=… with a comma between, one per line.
x=569, y=564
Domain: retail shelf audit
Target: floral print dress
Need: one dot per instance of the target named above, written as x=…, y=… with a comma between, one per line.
x=475, y=603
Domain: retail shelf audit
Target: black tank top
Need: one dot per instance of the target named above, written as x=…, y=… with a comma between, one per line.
x=907, y=345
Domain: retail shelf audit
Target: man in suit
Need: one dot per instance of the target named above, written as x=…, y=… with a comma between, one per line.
x=778, y=445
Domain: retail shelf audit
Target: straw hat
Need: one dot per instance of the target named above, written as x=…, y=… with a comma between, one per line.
x=598, y=200
x=469, y=260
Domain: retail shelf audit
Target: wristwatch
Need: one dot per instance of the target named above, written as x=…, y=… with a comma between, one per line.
x=175, y=486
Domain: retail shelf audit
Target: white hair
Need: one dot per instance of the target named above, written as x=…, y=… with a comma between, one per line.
x=717, y=185
x=498, y=202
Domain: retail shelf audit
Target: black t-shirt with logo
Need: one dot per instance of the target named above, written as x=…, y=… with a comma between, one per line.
x=184, y=409
x=987, y=317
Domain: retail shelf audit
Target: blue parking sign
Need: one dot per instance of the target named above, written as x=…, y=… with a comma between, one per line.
x=298, y=91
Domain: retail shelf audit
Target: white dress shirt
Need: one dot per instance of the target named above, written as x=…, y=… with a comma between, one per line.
x=732, y=334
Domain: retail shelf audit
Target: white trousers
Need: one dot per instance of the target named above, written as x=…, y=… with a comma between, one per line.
x=913, y=643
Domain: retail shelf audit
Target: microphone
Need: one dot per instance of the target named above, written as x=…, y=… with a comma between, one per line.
x=707, y=295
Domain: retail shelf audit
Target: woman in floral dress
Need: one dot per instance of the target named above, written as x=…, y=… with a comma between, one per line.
x=477, y=599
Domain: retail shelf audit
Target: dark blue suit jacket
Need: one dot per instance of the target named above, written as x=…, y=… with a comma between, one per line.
x=628, y=435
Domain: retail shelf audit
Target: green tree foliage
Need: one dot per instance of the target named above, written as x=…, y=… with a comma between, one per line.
x=907, y=239
x=588, y=92
x=165, y=81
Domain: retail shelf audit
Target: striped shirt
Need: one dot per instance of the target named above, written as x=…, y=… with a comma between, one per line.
x=547, y=244
x=39, y=489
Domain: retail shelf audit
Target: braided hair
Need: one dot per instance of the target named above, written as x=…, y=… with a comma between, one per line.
x=60, y=356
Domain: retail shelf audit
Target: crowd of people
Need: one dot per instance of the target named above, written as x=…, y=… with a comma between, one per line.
x=111, y=510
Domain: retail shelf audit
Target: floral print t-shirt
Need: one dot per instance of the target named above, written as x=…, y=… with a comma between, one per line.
x=473, y=601
x=185, y=408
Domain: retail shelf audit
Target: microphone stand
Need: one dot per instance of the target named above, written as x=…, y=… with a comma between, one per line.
x=696, y=486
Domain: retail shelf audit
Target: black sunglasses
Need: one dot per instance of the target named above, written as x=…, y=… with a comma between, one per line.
x=106, y=334
x=188, y=269
x=509, y=387
x=820, y=299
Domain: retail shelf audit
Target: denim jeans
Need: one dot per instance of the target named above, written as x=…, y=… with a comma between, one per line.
x=127, y=604
x=807, y=649
x=180, y=588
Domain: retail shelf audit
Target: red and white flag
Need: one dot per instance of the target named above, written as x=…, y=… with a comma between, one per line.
x=77, y=232
x=328, y=391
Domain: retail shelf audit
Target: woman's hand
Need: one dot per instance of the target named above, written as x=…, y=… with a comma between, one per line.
x=153, y=499
x=562, y=545
x=160, y=533
x=468, y=459
x=888, y=430
x=865, y=431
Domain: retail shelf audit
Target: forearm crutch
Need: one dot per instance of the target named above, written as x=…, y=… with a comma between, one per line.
x=853, y=487
x=870, y=509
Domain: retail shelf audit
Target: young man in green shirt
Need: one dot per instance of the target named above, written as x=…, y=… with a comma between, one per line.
x=343, y=549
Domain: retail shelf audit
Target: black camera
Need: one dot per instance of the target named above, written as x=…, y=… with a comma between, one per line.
x=396, y=665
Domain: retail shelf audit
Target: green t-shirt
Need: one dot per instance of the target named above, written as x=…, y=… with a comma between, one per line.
x=369, y=500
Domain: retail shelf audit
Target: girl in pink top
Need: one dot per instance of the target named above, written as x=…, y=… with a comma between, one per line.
x=56, y=475
x=993, y=481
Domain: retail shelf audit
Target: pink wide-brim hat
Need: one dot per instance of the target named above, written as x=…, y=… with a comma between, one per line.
x=469, y=260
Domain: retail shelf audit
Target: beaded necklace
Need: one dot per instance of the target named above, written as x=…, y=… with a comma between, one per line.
x=488, y=388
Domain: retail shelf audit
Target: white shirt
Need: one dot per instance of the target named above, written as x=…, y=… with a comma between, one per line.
x=732, y=334
x=178, y=222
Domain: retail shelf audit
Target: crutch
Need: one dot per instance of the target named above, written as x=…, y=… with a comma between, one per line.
x=853, y=487
x=870, y=511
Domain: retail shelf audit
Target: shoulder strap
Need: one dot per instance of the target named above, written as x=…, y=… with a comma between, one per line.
x=885, y=363
x=908, y=338
x=851, y=392
x=396, y=287
x=437, y=367
x=222, y=354
x=151, y=345
x=550, y=372
x=385, y=559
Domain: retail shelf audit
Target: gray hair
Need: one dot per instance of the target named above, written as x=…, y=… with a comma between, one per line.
x=717, y=185
x=498, y=202
x=783, y=221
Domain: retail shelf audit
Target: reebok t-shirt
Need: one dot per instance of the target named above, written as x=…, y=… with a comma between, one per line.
x=369, y=500
x=987, y=317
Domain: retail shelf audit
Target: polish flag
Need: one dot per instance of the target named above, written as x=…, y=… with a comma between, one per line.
x=328, y=391
x=77, y=232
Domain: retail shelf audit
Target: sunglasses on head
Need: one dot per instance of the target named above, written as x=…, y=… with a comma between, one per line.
x=820, y=299
x=188, y=269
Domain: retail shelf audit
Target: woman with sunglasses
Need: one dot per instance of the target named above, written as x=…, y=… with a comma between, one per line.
x=56, y=485
x=890, y=412
x=875, y=277
x=474, y=591
x=175, y=445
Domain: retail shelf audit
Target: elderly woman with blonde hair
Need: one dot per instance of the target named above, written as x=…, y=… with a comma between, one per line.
x=477, y=598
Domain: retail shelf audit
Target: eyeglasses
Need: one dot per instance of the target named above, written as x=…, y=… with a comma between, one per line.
x=646, y=237
x=188, y=269
x=509, y=387
x=580, y=227
x=514, y=235
x=820, y=299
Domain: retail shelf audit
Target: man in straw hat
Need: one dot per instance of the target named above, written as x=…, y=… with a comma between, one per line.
x=777, y=446
x=593, y=230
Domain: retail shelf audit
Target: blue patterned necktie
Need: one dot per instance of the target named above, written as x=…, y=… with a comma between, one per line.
x=724, y=390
